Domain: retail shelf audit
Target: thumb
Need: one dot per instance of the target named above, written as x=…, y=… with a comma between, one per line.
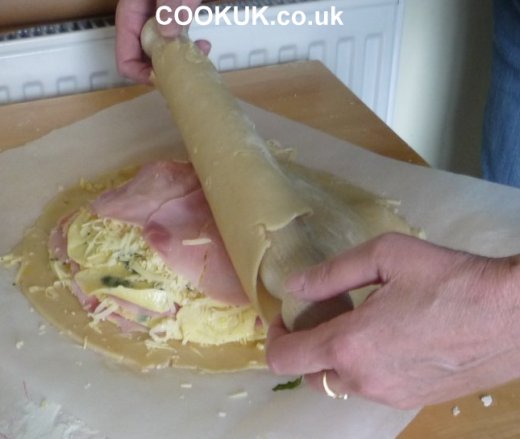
x=204, y=45
x=355, y=268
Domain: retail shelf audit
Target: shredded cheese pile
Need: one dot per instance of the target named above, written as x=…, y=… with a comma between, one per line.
x=129, y=279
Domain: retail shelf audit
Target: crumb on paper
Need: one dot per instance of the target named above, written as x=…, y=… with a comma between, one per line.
x=455, y=411
x=222, y=414
x=487, y=400
x=19, y=344
x=238, y=395
x=186, y=386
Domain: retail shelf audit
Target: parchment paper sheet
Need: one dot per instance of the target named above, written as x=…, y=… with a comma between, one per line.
x=456, y=211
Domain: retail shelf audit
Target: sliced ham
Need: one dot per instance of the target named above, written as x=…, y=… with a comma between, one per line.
x=166, y=200
x=126, y=326
x=206, y=265
x=58, y=244
x=89, y=303
x=58, y=239
x=154, y=184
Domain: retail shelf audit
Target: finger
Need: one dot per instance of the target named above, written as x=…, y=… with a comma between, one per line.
x=204, y=45
x=138, y=71
x=353, y=269
x=332, y=381
x=276, y=329
x=373, y=262
x=301, y=352
x=130, y=18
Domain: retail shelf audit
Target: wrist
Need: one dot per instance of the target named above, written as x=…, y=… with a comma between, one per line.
x=514, y=262
x=509, y=284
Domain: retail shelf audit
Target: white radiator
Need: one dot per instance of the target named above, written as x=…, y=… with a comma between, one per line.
x=75, y=57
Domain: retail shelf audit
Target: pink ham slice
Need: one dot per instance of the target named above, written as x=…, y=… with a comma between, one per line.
x=166, y=200
x=207, y=266
x=89, y=303
x=58, y=239
x=58, y=244
x=154, y=184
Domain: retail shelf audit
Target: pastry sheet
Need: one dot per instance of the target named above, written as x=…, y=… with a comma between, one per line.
x=39, y=363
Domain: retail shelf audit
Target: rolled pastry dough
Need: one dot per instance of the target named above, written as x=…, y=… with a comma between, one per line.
x=248, y=193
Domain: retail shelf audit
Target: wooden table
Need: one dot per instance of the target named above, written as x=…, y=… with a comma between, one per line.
x=309, y=93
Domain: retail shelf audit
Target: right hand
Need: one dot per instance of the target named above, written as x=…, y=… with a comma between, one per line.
x=442, y=324
x=131, y=15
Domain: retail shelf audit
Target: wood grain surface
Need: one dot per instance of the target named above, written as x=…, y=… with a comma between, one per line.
x=305, y=92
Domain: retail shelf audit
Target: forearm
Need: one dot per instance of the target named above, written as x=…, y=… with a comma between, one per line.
x=509, y=293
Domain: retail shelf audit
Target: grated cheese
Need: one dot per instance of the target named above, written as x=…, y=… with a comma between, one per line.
x=10, y=260
x=109, y=249
x=197, y=241
x=239, y=395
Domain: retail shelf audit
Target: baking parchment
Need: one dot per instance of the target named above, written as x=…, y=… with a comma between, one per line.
x=38, y=362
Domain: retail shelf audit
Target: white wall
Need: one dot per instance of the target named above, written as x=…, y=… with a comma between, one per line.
x=443, y=80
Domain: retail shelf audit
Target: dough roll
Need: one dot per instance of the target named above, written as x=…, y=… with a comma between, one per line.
x=249, y=195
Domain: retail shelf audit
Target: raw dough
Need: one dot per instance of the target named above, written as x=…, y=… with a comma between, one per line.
x=59, y=306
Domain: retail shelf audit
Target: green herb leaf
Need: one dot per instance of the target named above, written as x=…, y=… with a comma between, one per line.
x=113, y=281
x=288, y=385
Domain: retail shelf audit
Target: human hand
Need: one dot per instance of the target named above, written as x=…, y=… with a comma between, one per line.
x=131, y=15
x=442, y=324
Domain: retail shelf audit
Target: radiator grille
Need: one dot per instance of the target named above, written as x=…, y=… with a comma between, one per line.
x=77, y=56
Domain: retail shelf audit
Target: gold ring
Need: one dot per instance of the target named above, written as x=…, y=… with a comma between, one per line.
x=331, y=392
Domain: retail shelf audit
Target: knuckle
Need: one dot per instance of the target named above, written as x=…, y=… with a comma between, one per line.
x=388, y=240
x=387, y=243
x=338, y=351
x=323, y=273
x=314, y=277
